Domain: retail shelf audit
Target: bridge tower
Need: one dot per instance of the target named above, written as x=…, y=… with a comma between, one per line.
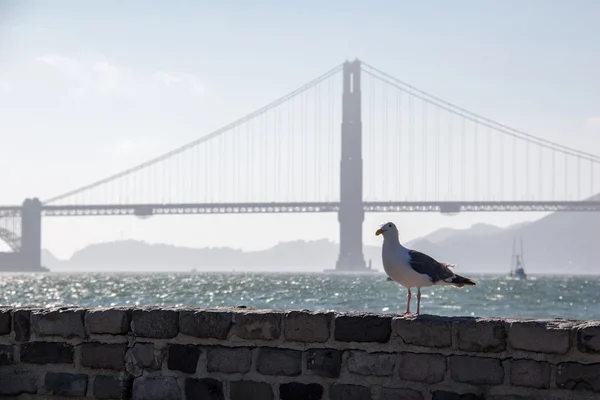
x=351, y=214
x=31, y=234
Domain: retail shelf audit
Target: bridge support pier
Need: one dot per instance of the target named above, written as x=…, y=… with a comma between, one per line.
x=351, y=214
x=31, y=234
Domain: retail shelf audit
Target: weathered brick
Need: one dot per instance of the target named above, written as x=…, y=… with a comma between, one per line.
x=443, y=395
x=7, y=355
x=143, y=355
x=539, y=337
x=111, y=321
x=481, y=335
x=301, y=326
x=112, y=387
x=205, y=324
x=228, y=359
x=575, y=376
x=17, y=382
x=370, y=364
x=419, y=367
x=588, y=337
x=155, y=323
x=349, y=392
x=530, y=373
x=246, y=390
x=156, y=387
x=64, y=384
x=183, y=358
x=258, y=325
x=203, y=389
x=46, y=353
x=400, y=393
x=67, y=323
x=300, y=391
x=324, y=362
x=424, y=330
x=362, y=328
x=22, y=325
x=476, y=370
x=103, y=356
x=274, y=361
x=5, y=320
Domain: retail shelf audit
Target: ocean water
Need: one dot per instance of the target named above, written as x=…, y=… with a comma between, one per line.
x=494, y=296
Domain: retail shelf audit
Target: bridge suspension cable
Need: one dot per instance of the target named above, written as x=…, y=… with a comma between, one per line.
x=376, y=73
x=421, y=148
x=228, y=128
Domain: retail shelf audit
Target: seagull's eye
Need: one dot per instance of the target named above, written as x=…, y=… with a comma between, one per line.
x=390, y=225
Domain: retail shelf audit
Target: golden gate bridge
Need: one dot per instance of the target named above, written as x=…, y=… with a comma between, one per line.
x=351, y=141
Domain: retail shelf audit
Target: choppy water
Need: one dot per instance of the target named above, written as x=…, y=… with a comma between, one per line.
x=539, y=297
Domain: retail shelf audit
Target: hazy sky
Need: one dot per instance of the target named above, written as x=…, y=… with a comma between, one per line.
x=88, y=89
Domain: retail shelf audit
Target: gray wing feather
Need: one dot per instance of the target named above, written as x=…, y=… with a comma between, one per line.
x=424, y=264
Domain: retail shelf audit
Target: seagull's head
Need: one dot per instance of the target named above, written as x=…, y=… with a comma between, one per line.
x=387, y=230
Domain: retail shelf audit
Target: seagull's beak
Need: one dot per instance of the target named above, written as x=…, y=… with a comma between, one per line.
x=379, y=232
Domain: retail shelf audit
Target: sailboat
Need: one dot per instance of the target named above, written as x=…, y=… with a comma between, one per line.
x=517, y=268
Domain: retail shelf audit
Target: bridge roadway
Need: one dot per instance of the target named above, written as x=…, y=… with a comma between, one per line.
x=447, y=207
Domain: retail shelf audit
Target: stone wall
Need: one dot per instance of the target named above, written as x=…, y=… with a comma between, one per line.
x=154, y=353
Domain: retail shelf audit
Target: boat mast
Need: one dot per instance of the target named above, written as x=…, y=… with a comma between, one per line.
x=512, y=259
x=522, y=255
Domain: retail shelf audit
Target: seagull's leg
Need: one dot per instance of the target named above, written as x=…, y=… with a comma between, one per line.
x=408, y=297
x=418, y=300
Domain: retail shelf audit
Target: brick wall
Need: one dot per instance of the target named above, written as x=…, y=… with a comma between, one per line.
x=153, y=353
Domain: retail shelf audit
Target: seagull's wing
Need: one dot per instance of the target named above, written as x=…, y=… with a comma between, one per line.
x=424, y=264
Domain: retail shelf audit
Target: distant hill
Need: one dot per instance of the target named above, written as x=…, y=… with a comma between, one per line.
x=49, y=260
x=477, y=229
x=557, y=243
x=139, y=255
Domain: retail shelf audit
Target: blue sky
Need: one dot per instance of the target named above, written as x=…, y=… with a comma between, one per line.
x=87, y=88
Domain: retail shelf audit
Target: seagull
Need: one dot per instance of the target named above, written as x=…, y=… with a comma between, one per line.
x=411, y=268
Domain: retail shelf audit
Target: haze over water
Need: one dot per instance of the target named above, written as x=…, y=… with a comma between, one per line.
x=494, y=296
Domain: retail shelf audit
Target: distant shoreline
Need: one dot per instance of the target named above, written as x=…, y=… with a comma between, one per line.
x=250, y=271
x=479, y=249
x=28, y=269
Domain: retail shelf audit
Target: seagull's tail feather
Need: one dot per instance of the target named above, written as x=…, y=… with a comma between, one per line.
x=460, y=281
